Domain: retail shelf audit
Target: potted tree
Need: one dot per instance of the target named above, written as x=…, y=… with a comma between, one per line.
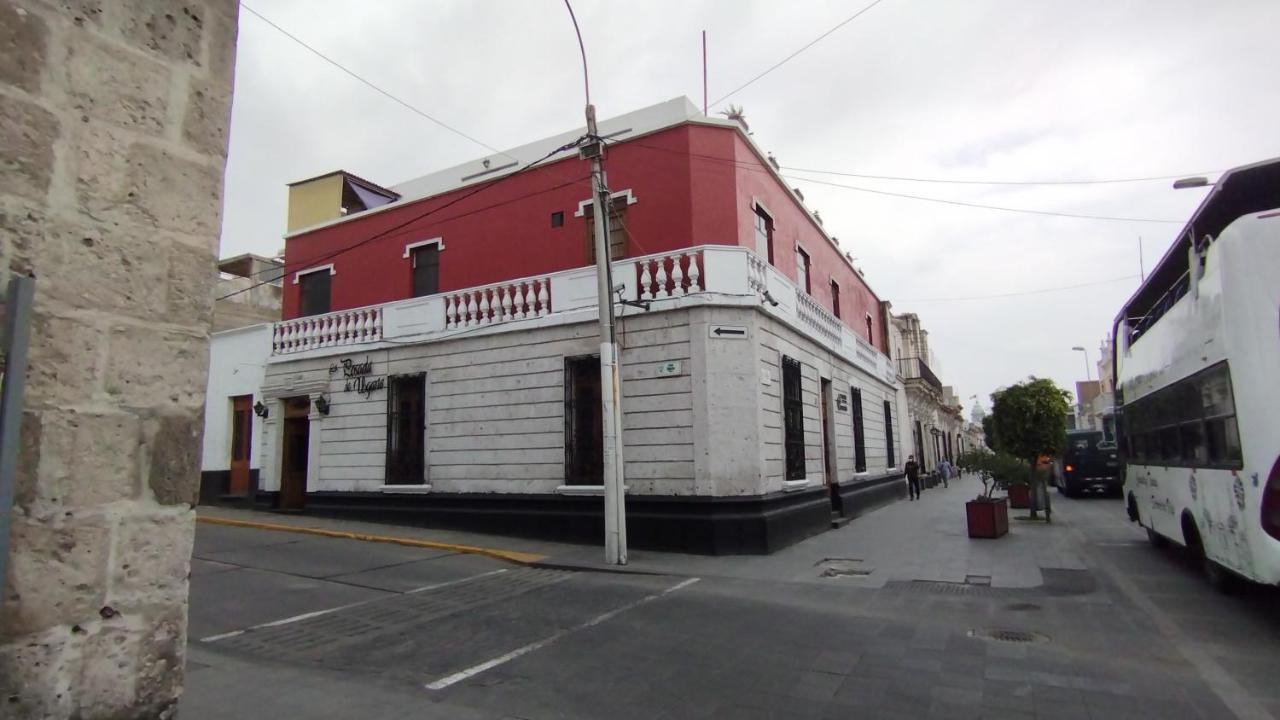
x=987, y=516
x=1029, y=422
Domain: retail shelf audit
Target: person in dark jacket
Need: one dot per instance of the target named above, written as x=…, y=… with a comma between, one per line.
x=913, y=478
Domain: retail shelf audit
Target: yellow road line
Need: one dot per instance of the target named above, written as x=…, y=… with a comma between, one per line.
x=514, y=556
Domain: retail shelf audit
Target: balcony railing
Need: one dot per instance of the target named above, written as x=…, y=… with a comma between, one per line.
x=732, y=275
x=913, y=368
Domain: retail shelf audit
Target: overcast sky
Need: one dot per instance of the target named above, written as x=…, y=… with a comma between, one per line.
x=1006, y=90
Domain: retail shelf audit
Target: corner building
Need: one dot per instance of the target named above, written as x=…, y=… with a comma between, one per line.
x=436, y=361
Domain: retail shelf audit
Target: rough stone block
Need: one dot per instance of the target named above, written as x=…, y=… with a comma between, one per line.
x=82, y=12
x=30, y=436
x=174, y=193
x=192, y=278
x=109, y=83
x=106, y=267
x=106, y=681
x=62, y=365
x=153, y=367
x=57, y=574
x=160, y=664
x=172, y=28
x=85, y=460
x=221, y=42
x=24, y=46
x=24, y=229
x=174, y=454
x=152, y=560
x=27, y=134
x=36, y=675
x=207, y=116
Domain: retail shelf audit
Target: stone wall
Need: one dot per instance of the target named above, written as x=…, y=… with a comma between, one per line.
x=113, y=134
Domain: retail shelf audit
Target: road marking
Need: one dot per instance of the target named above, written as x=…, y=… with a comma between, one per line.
x=513, y=556
x=318, y=613
x=458, y=677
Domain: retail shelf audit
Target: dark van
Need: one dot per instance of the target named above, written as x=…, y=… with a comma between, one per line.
x=1090, y=462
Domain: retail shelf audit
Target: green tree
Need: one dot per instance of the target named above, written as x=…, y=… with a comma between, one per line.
x=1029, y=420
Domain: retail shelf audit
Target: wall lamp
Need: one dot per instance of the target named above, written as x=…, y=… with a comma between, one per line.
x=260, y=410
x=322, y=405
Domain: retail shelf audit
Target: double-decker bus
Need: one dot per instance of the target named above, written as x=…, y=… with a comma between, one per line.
x=1197, y=360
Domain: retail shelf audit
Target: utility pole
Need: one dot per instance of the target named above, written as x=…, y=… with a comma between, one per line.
x=615, y=513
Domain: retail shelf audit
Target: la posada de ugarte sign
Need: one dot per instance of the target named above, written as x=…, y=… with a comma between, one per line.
x=358, y=376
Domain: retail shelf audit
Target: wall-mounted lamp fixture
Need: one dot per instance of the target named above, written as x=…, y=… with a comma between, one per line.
x=322, y=405
x=260, y=410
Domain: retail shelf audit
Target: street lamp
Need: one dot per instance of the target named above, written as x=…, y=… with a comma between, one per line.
x=1190, y=182
x=1087, y=374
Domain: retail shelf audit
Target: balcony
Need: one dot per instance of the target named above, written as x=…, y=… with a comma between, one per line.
x=913, y=368
x=708, y=274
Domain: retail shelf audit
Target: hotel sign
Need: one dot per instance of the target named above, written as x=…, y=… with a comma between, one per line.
x=358, y=376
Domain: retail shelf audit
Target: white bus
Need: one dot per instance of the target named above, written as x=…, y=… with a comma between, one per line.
x=1197, y=360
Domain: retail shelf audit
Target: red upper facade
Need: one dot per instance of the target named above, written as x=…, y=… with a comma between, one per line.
x=699, y=182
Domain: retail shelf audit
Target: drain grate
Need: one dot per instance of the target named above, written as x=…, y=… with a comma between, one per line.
x=1022, y=607
x=1009, y=636
x=937, y=587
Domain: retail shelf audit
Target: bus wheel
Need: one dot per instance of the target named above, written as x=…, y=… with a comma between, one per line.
x=1219, y=577
x=1132, y=508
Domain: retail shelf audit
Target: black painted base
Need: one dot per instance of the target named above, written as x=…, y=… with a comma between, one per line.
x=859, y=497
x=215, y=488
x=695, y=524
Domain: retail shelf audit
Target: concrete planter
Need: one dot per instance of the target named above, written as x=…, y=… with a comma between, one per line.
x=987, y=517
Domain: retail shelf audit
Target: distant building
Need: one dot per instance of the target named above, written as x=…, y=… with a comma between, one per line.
x=936, y=415
x=248, y=291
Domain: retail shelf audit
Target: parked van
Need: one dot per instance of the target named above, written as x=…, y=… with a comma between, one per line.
x=1090, y=462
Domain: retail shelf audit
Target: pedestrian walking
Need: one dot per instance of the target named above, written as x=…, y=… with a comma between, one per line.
x=913, y=478
x=944, y=469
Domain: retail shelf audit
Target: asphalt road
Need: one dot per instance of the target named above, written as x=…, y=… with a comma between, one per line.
x=286, y=626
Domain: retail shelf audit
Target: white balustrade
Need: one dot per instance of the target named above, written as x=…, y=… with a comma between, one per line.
x=757, y=273
x=345, y=327
x=671, y=275
x=501, y=302
x=817, y=317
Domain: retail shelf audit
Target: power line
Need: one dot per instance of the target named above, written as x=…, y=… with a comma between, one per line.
x=1024, y=292
x=1052, y=213
x=385, y=93
x=755, y=167
x=997, y=182
x=810, y=44
x=328, y=256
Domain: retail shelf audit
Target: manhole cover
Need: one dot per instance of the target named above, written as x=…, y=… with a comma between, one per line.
x=1022, y=607
x=844, y=567
x=1009, y=636
x=977, y=580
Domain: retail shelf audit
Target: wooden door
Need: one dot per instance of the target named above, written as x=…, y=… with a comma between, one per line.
x=241, y=444
x=293, y=471
x=584, y=422
x=827, y=424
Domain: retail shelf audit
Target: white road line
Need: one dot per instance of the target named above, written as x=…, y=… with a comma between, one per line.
x=318, y=613
x=458, y=677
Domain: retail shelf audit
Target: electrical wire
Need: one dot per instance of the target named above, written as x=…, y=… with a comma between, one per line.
x=756, y=167
x=786, y=59
x=327, y=256
x=1041, y=291
x=948, y=181
x=385, y=93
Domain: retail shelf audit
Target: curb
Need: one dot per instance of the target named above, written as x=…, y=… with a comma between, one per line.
x=511, y=556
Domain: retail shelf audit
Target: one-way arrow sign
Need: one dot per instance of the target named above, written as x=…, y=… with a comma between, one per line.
x=735, y=332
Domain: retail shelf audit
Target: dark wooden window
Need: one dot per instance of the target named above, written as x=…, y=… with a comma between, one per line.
x=859, y=436
x=557, y=218
x=793, y=418
x=888, y=434
x=802, y=271
x=764, y=234
x=870, y=334
x=583, y=422
x=406, y=425
x=426, y=270
x=617, y=231
x=835, y=298
x=313, y=289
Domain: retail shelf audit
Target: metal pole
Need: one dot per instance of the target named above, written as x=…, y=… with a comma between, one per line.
x=1142, y=270
x=17, y=329
x=1088, y=374
x=704, y=72
x=615, y=514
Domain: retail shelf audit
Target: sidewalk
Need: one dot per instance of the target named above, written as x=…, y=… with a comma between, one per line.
x=905, y=541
